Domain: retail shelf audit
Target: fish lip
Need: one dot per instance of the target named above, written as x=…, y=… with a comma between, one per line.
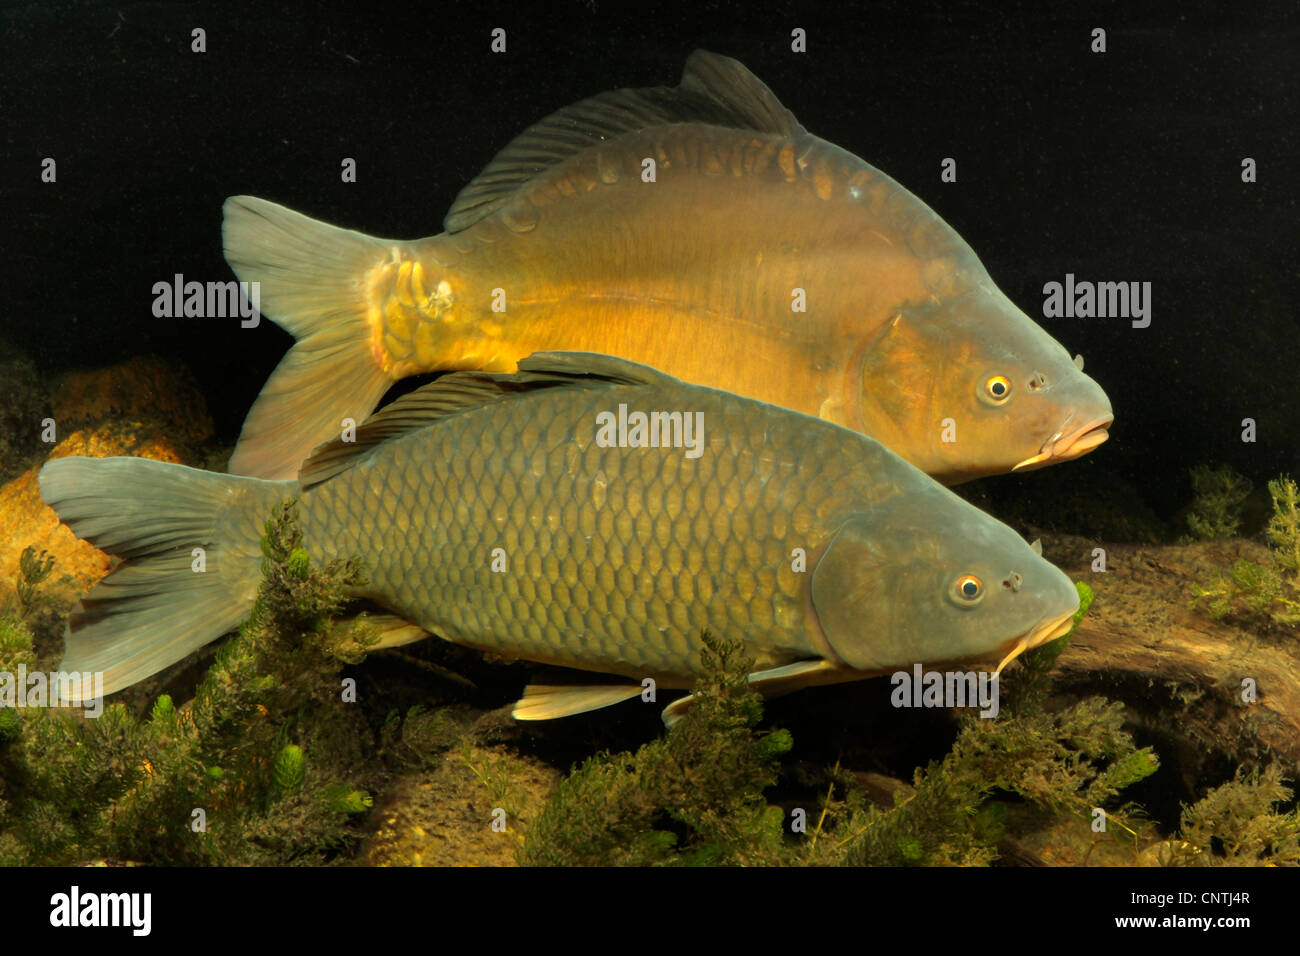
x=1064, y=447
x=1048, y=629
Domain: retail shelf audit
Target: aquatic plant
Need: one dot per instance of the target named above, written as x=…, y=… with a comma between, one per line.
x=693, y=796
x=1240, y=824
x=1263, y=592
x=15, y=644
x=263, y=767
x=697, y=794
x=1283, y=530
x=1218, y=494
x=289, y=769
x=33, y=569
x=1070, y=761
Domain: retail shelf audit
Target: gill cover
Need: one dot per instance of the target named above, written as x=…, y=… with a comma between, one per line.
x=854, y=590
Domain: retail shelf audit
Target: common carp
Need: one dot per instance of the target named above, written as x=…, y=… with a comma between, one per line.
x=700, y=230
x=558, y=515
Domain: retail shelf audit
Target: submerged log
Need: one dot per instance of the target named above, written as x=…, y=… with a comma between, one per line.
x=1228, y=689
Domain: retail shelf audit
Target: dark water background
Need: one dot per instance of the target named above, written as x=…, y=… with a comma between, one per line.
x=1116, y=167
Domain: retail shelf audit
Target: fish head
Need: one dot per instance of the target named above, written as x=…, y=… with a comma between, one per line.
x=929, y=578
x=971, y=386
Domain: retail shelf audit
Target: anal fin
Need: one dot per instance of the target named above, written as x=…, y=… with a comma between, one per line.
x=546, y=701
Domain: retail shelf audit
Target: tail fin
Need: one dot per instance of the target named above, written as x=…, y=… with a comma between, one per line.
x=310, y=279
x=167, y=600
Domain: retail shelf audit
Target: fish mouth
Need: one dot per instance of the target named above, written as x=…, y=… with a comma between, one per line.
x=1064, y=445
x=1046, y=630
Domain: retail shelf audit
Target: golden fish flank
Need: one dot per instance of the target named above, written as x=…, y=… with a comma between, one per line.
x=563, y=243
x=488, y=513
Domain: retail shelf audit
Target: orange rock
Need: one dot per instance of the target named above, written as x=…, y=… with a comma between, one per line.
x=27, y=520
x=144, y=388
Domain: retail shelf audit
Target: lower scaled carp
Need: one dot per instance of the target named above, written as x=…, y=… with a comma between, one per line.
x=559, y=515
x=698, y=229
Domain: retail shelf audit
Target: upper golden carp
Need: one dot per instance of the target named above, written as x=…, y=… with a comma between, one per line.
x=586, y=512
x=698, y=229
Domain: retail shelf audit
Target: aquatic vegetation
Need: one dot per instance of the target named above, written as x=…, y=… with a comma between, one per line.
x=265, y=766
x=1067, y=761
x=1239, y=824
x=693, y=796
x=1263, y=592
x=33, y=569
x=1283, y=530
x=289, y=769
x=697, y=794
x=15, y=644
x=1216, y=506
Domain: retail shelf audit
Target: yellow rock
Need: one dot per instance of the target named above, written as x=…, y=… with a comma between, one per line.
x=143, y=407
x=29, y=521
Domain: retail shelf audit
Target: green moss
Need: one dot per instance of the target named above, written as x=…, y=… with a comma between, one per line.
x=1218, y=494
x=1262, y=593
x=694, y=796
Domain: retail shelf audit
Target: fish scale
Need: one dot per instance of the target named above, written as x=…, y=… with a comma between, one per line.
x=621, y=580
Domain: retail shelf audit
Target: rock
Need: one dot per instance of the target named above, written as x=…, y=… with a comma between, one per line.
x=29, y=521
x=146, y=389
x=144, y=408
x=1216, y=685
x=444, y=817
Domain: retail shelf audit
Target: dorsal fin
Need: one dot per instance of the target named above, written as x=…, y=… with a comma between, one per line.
x=716, y=90
x=593, y=365
x=459, y=391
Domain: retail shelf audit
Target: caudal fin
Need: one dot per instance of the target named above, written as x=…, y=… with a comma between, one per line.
x=168, y=599
x=310, y=278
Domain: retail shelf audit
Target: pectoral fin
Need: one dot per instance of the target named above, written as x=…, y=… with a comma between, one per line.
x=394, y=631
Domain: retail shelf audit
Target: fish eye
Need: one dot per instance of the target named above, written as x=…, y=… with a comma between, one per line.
x=997, y=388
x=967, y=590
